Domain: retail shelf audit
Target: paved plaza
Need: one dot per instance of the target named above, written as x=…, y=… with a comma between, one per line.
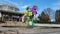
x=35, y=30
x=24, y=30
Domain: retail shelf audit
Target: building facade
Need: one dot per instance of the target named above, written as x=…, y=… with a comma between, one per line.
x=9, y=13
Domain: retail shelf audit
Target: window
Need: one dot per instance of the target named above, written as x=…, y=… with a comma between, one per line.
x=16, y=9
x=11, y=8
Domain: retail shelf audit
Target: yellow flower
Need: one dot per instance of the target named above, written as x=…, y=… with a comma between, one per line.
x=30, y=13
x=24, y=13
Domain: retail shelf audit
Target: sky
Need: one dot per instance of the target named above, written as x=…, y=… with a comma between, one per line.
x=42, y=4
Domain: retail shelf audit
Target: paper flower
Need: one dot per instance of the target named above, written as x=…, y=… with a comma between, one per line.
x=24, y=13
x=34, y=9
x=30, y=13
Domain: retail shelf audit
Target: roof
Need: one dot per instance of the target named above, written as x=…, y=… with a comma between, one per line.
x=9, y=5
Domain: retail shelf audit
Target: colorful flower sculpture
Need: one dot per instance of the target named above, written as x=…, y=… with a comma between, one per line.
x=30, y=12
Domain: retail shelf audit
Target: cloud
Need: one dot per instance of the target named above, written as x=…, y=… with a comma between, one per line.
x=57, y=4
x=55, y=8
x=11, y=2
x=14, y=4
x=52, y=20
x=3, y=2
x=24, y=6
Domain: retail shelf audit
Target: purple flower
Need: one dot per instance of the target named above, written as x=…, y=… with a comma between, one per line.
x=34, y=9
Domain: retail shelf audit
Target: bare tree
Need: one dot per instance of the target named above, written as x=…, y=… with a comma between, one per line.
x=49, y=12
